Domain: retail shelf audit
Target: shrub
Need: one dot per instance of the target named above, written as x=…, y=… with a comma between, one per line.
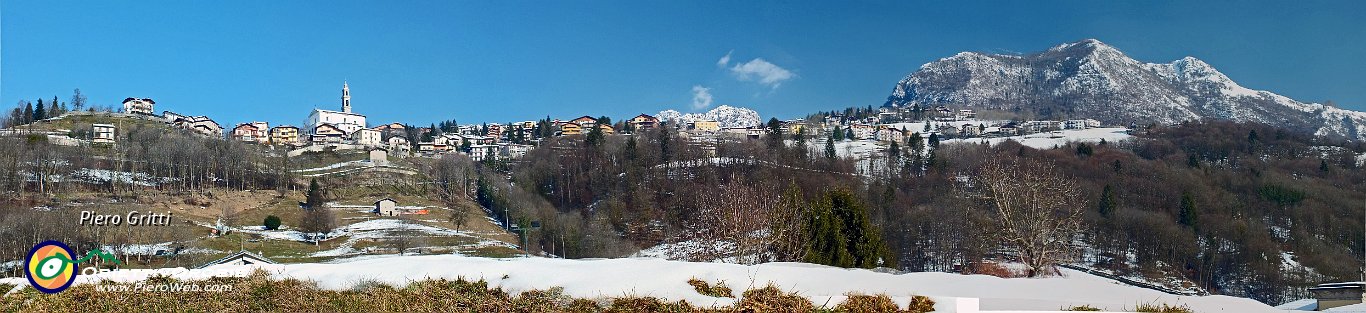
x=272, y=222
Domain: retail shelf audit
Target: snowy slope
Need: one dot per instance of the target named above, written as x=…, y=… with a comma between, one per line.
x=727, y=116
x=666, y=279
x=1091, y=79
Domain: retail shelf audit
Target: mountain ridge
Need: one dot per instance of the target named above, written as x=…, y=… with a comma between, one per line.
x=1089, y=78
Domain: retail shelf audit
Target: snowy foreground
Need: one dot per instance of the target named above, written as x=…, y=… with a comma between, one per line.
x=667, y=279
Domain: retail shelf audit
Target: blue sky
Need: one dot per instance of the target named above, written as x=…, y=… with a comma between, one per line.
x=501, y=61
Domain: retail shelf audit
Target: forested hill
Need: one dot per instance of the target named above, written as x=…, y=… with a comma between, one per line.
x=1230, y=208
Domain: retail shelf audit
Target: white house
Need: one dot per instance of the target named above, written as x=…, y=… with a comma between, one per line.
x=386, y=207
x=102, y=133
x=138, y=105
x=366, y=136
x=345, y=120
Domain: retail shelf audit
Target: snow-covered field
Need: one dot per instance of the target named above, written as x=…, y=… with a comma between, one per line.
x=1049, y=140
x=667, y=279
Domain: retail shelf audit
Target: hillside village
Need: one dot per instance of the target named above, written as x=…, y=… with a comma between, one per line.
x=349, y=130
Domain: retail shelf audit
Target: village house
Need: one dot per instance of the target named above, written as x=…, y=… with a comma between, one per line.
x=257, y=132
x=863, y=131
x=426, y=147
x=644, y=121
x=366, y=136
x=345, y=121
x=138, y=106
x=240, y=258
x=392, y=129
x=326, y=133
x=284, y=135
x=385, y=207
x=755, y=132
x=889, y=134
x=585, y=121
x=570, y=128
x=102, y=133
x=969, y=130
x=947, y=131
x=483, y=152
x=704, y=126
x=515, y=151
x=495, y=131
x=1009, y=129
x=200, y=125
x=607, y=129
x=399, y=145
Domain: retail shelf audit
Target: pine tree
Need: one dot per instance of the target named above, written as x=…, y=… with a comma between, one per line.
x=775, y=133
x=830, y=148
x=39, y=113
x=28, y=112
x=1107, y=203
x=1190, y=213
x=841, y=234
x=849, y=133
x=1323, y=166
x=934, y=140
x=837, y=133
x=315, y=195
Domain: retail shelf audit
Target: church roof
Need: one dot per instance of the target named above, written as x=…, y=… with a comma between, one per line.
x=338, y=112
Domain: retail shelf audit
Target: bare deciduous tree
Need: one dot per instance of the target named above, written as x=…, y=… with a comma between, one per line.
x=1038, y=209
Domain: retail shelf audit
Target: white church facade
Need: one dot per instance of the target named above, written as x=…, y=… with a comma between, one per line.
x=344, y=120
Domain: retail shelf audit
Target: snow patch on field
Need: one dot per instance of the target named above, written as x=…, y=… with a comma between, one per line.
x=667, y=279
x=1049, y=140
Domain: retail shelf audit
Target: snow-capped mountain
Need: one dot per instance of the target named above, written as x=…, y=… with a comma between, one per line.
x=727, y=116
x=1093, y=80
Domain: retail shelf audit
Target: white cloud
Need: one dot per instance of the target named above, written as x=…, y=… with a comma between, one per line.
x=701, y=97
x=725, y=60
x=765, y=73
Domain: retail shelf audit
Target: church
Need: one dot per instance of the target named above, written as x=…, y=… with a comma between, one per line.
x=344, y=120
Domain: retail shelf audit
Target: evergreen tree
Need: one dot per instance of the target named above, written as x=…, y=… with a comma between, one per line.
x=837, y=133
x=39, y=113
x=1084, y=149
x=1107, y=203
x=849, y=133
x=1190, y=214
x=841, y=234
x=830, y=148
x=665, y=147
x=28, y=112
x=314, y=199
x=594, y=137
x=1323, y=165
x=52, y=109
x=628, y=151
x=775, y=133
x=934, y=140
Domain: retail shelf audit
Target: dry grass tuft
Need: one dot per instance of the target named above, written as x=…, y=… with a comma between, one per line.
x=1084, y=308
x=1162, y=308
x=867, y=303
x=260, y=293
x=772, y=299
x=920, y=304
x=719, y=291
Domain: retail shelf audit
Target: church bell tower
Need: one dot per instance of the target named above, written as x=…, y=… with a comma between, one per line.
x=346, y=98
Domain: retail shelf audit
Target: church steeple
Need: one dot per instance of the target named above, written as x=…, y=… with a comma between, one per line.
x=346, y=98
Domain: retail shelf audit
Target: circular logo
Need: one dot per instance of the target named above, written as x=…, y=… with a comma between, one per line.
x=50, y=267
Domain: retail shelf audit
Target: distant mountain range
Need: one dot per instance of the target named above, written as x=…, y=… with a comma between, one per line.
x=725, y=115
x=1091, y=79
